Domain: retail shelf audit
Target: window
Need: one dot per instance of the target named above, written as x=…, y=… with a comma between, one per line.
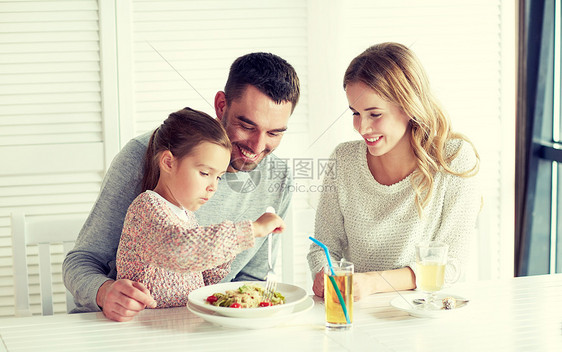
x=539, y=245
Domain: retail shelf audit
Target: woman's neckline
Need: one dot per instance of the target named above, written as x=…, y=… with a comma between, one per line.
x=398, y=184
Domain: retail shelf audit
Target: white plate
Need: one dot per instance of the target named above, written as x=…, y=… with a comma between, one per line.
x=251, y=323
x=293, y=295
x=416, y=310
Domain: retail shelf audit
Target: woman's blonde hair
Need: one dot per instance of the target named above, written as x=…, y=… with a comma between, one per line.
x=395, y=73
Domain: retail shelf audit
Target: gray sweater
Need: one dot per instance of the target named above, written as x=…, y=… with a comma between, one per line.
x=240, y=196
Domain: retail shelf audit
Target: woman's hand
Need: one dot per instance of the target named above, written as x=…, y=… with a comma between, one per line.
x=318, y=285
x=268, y=223
x=363, y=285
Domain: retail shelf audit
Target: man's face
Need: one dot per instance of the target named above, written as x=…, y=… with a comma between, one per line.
x=255, y=125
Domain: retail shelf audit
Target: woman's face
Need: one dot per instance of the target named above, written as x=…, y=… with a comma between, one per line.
x=382, y=124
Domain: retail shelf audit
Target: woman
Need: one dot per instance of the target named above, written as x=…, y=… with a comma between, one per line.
x=409, y=180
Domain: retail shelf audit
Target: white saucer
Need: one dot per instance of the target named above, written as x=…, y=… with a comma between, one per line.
x=251, y=323
x=416, y=310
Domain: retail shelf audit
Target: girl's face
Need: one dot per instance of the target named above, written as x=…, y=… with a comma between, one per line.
x=193, y=179
x=382, y=124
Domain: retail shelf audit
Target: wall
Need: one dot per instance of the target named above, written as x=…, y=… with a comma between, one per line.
x=78, y=79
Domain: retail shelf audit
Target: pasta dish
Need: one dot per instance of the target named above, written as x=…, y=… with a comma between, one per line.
x=246, y=296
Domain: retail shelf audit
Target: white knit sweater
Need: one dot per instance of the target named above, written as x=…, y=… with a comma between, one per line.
x=376, y=227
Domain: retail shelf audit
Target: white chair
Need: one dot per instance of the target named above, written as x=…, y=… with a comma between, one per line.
x=41, y=232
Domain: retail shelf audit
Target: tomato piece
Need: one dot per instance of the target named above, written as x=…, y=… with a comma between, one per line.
x=212, y=299
x=265, y=304
x=235, y=305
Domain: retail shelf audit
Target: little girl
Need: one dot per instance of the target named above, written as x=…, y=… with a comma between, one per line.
x=161, y=245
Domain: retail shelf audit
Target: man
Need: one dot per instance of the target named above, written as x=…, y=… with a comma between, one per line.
x=259, y=97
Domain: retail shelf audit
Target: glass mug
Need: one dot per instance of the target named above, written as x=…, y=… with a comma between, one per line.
x=343, y=278
x=431, y=262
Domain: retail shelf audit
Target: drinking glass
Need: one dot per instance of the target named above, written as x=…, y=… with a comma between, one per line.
x=335, y=315
x=431, y=261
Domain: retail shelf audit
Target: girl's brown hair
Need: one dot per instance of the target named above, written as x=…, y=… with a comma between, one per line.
x=181, y=132
x=394, y=72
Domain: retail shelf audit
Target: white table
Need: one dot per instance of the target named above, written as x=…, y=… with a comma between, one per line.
x=521, y=314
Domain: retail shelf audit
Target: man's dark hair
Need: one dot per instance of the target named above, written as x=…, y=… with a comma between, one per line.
x=270, y=74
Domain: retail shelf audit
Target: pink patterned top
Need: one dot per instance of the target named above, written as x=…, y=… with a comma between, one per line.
x=172, y=256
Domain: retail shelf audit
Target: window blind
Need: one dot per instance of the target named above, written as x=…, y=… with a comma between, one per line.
x=51, y=138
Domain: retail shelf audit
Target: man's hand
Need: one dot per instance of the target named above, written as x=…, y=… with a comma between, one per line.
x=121, y=300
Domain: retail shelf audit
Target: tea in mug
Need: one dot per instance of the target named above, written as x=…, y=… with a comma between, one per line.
x=431, y=276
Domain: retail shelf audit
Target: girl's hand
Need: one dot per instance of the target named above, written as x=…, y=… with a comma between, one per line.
x=268, y=223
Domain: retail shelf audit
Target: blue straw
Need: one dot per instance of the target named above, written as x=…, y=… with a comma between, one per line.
x=342, y=302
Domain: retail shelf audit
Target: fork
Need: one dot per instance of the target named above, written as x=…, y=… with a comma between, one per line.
x=271, y=278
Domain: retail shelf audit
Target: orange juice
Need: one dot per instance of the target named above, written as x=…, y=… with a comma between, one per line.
x=334, y=312
x=431, y=276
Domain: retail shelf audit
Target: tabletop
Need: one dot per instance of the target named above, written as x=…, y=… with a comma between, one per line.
x=519, y=314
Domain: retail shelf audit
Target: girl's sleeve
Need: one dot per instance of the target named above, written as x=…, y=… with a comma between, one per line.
x=216, y=274
x=328, y=227
x=173, y=245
